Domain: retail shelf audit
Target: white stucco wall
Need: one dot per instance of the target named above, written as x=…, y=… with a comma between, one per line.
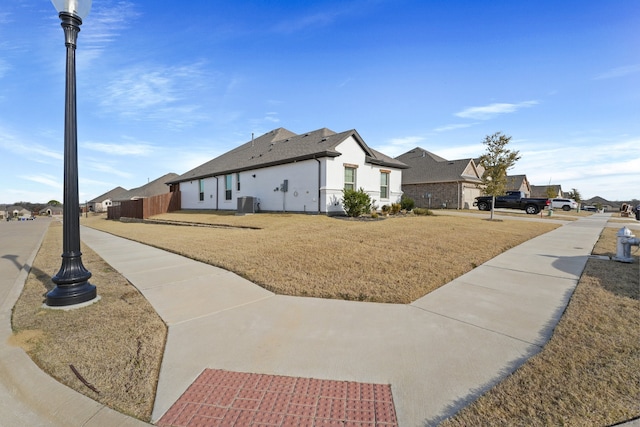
x=304, y=190
x=367, y=176
x=264, y=184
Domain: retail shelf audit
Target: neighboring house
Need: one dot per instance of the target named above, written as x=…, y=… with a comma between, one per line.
x=101, y=203
x=16, y=211
x=434, y=182
x=51, y=210
x=605, y=204
x=519, y=183
x=3, y=212
x=153, y=188
x=283, y=171
x=543, y=191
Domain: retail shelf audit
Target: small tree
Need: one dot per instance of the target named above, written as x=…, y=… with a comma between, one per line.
x=356, y=203
x=575, y=195
x=551, y=192
x=496, y=161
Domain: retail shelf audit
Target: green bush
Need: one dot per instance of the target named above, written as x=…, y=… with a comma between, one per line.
x=407, y=203
x=356, y=203
x=422, y=211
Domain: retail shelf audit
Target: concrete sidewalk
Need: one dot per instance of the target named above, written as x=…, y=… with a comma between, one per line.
x=438, y=353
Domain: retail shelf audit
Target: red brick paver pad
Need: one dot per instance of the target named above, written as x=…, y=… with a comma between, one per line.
x=224, y=398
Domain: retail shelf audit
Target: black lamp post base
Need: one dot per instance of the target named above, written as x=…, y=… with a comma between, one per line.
x=77, y=294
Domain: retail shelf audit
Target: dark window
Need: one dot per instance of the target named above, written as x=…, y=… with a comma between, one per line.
x=228, y=186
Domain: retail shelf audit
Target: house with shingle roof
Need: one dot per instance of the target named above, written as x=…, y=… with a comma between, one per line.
x=102, y=202
x=284, y=171
x=51, y=210
x=435, y=182
x=551, y=191
x=519, y=183
x=150, y=189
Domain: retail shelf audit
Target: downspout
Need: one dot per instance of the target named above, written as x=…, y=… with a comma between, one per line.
x=319, y=182
x=458, y=186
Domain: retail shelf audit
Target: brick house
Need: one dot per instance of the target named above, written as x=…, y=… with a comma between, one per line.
x=434, y=182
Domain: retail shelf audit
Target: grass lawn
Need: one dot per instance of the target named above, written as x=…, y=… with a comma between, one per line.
x=117, y=343
x=395, y=260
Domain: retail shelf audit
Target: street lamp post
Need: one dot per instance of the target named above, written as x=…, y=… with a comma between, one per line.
x=72, y=281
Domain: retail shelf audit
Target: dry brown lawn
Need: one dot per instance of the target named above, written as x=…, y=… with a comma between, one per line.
x=589, y=372
x=396, y=260
x=115, y=345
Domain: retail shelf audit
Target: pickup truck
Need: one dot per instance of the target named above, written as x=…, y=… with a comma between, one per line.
x=513, y=200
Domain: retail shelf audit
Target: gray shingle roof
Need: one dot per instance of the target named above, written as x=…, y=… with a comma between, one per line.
x=426, y=167
x=111, y=194
x=153, y=188
x=281, y=146
x=514, y=182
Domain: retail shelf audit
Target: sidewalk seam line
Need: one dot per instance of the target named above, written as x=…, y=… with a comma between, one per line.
x=220, y=311
x=476, y=326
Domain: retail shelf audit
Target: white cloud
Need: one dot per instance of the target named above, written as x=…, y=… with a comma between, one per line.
x=489, y=111
x=34, y=152
x=94, y=167
x=454, y=127
x=272, y=117
x=47, y=180
x=133, y=149
x=158, y=93
x=396, y=146
x=107, y=21
x=316, y=20
x=459, y=152
x=606, y=169
x=619, y=72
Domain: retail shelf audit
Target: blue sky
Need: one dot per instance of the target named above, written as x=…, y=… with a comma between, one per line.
x=164, y=86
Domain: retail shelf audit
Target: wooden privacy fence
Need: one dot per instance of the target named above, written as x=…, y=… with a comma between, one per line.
x=144, y=208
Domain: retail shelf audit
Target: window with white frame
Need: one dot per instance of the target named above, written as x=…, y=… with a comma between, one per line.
x=350, y=177
x=237, y=182
x=201, y=188
x=384, y=184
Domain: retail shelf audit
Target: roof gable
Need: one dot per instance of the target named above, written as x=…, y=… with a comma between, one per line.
x=153, y=188
x=517, y=183
x=111, y=194
x=427, y=167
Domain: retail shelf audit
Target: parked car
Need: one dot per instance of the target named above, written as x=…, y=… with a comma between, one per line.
x=589, y=208
x=564, y=204
x=513, y=200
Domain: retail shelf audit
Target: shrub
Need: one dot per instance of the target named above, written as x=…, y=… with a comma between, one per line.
x=395, y=208
x=407, y=203
x=385, y=209
x=422, y=211
x=374, y=214
x=356, y=203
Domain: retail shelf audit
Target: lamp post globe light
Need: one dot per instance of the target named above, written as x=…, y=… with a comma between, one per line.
x=72, y=281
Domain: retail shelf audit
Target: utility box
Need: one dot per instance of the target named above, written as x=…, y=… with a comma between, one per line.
x=246, y=205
